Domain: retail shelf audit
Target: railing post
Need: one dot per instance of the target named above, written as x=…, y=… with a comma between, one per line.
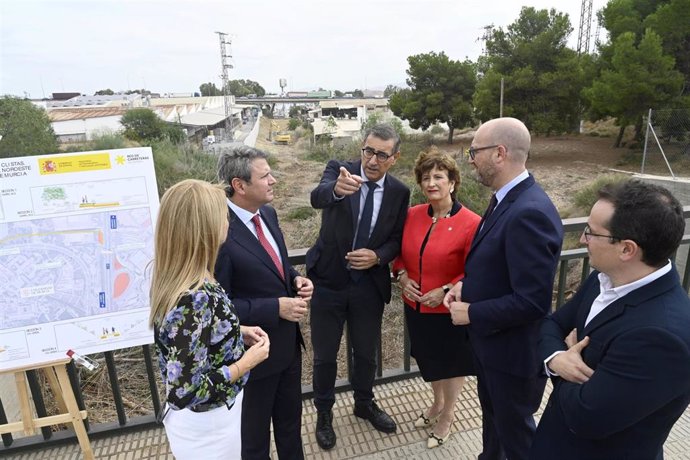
x=6, y=437
x=74, y=380
x=562, y=278
x=406, y=346
x=115, y=386
x=152, y=379
x=348, y=349
x=37, y=396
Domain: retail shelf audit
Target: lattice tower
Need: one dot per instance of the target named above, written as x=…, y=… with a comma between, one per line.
x=226, y=63
x=585, y=27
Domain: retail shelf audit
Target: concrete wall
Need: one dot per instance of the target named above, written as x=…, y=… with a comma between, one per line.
x=681, y=190
x=87, y=126
x=250, y=140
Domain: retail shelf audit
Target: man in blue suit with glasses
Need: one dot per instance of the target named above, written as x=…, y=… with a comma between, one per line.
x=618, y=352
x=507, y=288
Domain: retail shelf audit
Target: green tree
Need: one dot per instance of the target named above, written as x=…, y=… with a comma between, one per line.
x=668, y=18
x=143, y=125
x=25, y=129
x=440, y=90
x=357, y=93
x=390, y=89
x=210, y=89
x=639, y=77
x=242, y=88
x=542, y=77
x=338, y=93
x=104, y=92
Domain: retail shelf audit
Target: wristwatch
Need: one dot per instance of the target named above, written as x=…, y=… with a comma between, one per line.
x=446, y=288
x=400, y=274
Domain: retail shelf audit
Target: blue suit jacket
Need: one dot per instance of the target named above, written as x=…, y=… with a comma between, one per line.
x=640, y=351
x=509, y=276
x=253, y=282
x=326, y=264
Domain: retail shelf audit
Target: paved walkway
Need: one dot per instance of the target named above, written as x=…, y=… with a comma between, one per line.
x=356, y=439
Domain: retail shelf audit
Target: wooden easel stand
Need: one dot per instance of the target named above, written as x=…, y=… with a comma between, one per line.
x=56, y=373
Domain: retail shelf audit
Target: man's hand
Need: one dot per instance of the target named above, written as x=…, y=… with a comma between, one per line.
x=569, y=364
x=454, y=295
x=292, y=309
x=361, y=259
x=571, y=339
x=347, y=183
x=459, y=313
x=252, y=334
x=304, y=287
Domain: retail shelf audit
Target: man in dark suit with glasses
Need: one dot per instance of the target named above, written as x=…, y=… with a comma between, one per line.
x=363, y=213
x=507, y=288
x=619, y=351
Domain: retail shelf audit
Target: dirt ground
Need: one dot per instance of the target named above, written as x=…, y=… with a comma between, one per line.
x=561, y=164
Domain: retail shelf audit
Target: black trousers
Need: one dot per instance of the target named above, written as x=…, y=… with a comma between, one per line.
x=277, y=397
x=361, y=306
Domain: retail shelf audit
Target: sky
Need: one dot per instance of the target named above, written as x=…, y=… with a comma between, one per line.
x=169, y=46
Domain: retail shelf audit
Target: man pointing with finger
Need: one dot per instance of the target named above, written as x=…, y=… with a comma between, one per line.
x=619, y=351
x=364, y=211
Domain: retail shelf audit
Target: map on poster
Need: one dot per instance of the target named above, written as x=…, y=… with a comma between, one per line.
x=76, y=237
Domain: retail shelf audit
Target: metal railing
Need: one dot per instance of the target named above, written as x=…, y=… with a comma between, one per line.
x=568, y=258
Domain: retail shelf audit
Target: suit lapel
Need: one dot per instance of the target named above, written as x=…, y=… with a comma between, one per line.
x=387, y=203
x=636, y=297
x=502, y=207
x=246, y=239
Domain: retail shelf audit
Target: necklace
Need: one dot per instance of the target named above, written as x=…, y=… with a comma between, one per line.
x=435, y=219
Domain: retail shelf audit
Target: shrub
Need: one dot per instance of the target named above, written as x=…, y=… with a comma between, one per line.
x=293, y=123
x=587, y=196
x=300, y=213
x=174, y=163
x=436, y=130
x=108, y=141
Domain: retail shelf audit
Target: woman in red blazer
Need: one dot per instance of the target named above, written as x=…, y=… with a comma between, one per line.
x=436, y=240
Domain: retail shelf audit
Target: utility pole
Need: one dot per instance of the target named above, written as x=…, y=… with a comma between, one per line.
x=225, y=56
x=500, y=104
x=585, y=28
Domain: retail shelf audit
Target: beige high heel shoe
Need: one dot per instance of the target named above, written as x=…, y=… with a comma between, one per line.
x=423, y=421
x=435, y=441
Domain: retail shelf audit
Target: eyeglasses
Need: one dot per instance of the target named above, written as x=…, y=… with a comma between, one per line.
x=588, y=235
x=381, y=157
x=472, y=151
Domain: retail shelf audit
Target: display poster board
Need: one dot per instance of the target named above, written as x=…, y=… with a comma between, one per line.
x=76, y=240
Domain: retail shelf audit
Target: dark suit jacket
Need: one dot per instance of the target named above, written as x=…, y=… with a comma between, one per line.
x=326, y=264
x=509, y=276
x=253, y=282
x=640, y=351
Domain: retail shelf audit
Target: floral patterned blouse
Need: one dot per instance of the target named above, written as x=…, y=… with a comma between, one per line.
x=197, y=342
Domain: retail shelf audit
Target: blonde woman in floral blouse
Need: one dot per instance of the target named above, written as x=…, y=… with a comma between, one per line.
x=201, y=345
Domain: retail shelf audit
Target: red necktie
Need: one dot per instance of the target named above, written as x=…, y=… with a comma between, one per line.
x=267, y=246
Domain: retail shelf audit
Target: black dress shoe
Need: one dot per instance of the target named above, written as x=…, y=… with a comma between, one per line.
x=325, y=436
x=378, y=418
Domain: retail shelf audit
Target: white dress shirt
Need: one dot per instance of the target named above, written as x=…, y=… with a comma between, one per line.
x=609, y=294
x=246, y=218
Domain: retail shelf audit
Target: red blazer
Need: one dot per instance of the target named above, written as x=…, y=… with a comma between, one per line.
x=444, y=256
